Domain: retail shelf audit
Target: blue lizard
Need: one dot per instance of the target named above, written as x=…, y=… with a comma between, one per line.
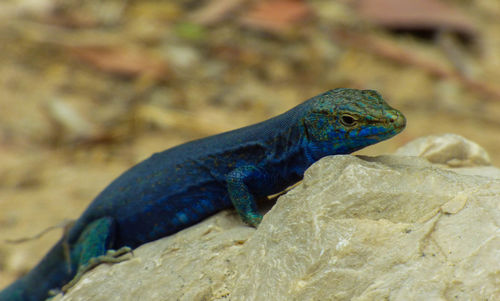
x=181, y=186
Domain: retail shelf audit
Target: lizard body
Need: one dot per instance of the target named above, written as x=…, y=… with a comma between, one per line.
x=181, y=186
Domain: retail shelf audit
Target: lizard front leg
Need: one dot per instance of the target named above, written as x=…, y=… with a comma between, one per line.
x=239, y=193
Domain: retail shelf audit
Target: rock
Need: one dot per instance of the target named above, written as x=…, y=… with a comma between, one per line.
x=190, y=265
x=448, y=149
x=356, y=228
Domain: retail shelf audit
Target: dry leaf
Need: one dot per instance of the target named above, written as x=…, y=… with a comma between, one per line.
x=276, y=15
x=215, y=11
x=415, y=15
x=121, y=61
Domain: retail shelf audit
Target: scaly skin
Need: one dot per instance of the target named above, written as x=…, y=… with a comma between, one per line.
x=181, y=186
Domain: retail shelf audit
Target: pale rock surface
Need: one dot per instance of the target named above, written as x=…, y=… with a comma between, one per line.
x=356, y=228
x=448, y=149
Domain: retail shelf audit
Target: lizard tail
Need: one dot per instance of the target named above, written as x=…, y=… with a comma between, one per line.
x=52, y=272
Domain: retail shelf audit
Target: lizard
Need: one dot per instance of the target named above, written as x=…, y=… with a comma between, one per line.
x=179, y=187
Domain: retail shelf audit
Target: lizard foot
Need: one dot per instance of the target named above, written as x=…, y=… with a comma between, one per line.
x=253, y=219
x=111, y=256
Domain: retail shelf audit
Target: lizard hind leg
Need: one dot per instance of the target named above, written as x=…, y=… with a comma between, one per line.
x=93, y=247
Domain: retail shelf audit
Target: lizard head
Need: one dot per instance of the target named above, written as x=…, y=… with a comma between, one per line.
x=341, y=121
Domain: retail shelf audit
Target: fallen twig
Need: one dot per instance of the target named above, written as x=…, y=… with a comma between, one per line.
x=389, y=50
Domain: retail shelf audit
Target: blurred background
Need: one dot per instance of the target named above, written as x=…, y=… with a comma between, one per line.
x=89, y=88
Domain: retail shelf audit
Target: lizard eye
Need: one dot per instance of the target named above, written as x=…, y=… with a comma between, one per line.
x=347, y=120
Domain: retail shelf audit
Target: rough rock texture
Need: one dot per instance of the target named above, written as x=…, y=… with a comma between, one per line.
x=356, y=228
x=449, y=149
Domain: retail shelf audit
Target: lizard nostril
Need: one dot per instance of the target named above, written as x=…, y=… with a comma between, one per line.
x=393, y=118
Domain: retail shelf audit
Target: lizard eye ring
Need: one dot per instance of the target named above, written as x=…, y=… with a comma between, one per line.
x=348, y=120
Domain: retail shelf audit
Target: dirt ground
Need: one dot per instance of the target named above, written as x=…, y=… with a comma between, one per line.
x=87, y=90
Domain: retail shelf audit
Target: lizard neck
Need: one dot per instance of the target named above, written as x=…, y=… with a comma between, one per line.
x=294, y=149
x=289, y=154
